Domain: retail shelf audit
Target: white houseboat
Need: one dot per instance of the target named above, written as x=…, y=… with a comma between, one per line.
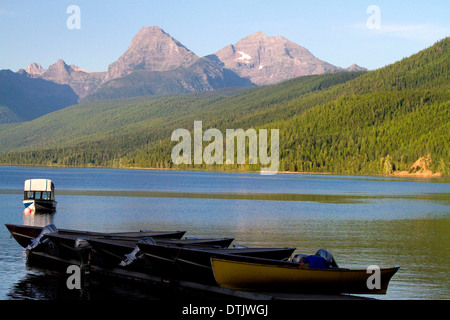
x=39, y=194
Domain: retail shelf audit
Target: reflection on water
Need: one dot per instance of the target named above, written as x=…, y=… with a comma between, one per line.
x=35, y=218
x=360, y=220
x=39, y=284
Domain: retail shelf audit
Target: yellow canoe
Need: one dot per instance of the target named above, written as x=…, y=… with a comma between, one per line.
x=271, y=276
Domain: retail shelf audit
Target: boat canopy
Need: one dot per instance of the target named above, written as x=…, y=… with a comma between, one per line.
x=39, y=185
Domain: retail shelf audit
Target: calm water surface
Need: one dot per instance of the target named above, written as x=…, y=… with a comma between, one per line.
x=362, y=220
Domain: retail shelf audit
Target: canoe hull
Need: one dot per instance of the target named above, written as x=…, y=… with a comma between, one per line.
x=24, y=234
x=244, y=275
x=194, y=264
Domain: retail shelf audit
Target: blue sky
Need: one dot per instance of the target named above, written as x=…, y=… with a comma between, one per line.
x=334, y=31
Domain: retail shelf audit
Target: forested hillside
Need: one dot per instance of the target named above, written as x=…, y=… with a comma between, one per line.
x=378, y=122
x=150, y=119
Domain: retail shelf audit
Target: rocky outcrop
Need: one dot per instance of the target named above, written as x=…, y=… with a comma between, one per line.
x=420, y=168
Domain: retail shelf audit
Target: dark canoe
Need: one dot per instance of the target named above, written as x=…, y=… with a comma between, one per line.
x=194, y=264
x=131, y=243
x=266, y=275
x=114, y=248
x=24, y=234
x=111, y=252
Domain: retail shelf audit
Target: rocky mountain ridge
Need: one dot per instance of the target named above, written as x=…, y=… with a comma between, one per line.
x=157, y=63
x=268, y=60
x=82, y=82
x=151, y=49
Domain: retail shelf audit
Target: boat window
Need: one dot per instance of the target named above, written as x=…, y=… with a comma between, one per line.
x=30, y=195
x=46, y=195
x=38, y=195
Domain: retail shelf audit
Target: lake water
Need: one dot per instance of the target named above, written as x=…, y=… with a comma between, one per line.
x=361, y=220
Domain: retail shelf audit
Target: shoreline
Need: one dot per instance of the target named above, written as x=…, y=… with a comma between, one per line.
x=399, y=174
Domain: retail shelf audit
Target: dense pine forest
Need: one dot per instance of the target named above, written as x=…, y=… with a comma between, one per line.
x=379, y=122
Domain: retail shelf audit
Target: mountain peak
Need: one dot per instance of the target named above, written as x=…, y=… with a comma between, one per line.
x=35, y=69
x=77, y=68
x=81, y=81
x=258, y=34
x=146, y=35
x=152, y=49
x=151, y=28
x=355, y=67
x=60, y=68
x=267, y=60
